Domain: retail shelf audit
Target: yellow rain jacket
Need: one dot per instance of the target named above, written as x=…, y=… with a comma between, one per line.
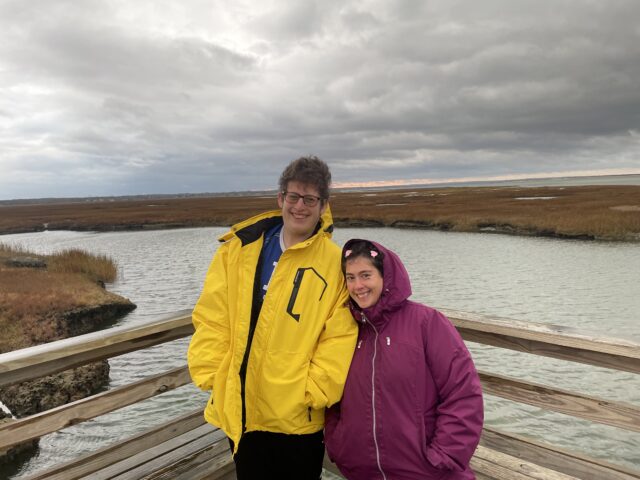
x=303, y=342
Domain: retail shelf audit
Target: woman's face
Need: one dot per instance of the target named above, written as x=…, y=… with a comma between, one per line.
x=364, y=281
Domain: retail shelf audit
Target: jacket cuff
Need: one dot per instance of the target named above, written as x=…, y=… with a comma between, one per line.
x=435, y=458
x=314, y=397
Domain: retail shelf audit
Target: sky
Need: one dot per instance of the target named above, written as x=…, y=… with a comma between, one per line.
x=140, y=97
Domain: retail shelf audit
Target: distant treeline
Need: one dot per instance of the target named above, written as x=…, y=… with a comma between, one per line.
x=151, y=196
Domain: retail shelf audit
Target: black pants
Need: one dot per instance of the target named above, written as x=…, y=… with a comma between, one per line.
x=278, y=456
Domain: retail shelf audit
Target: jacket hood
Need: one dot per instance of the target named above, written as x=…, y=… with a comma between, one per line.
x=396, y=287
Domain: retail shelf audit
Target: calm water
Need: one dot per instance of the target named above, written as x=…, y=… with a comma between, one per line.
x=632, y=179
x=594, y=287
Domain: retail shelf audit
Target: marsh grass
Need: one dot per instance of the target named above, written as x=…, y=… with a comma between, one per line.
x=96, y=267
x=588, y=211
x=7, y=251
x=31, y=299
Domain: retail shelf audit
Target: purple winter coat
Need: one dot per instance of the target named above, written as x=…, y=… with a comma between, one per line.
x=412, y=405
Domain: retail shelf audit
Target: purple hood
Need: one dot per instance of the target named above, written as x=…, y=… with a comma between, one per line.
x=396, y=286
x=412, y=405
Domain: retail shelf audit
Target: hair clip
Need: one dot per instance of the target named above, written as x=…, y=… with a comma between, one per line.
x=347, y=253
x=374, y=254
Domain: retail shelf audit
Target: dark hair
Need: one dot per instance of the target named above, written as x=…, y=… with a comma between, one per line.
x=310, y=170
x=362, y=248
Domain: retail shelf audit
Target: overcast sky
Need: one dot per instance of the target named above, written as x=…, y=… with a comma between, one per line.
x=132, y=97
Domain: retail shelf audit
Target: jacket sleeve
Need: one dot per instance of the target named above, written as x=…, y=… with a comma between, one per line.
x=459, y=414
x=330, y=361
x=210, y=341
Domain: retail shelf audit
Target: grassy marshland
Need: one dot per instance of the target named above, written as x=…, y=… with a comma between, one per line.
x=36, y=302
x=590, y=212
x=595, y=212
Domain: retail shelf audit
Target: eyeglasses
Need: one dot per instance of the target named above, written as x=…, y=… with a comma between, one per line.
x=293, y=197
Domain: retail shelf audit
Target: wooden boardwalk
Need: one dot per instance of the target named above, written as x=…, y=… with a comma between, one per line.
x=187, y=448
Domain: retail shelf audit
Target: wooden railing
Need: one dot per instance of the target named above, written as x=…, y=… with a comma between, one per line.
x=545, y=340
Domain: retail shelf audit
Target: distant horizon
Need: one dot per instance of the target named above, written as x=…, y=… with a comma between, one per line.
x=432, y=183
x=493, y=178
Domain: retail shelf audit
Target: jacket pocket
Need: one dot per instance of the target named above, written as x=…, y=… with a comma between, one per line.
x=315, y=287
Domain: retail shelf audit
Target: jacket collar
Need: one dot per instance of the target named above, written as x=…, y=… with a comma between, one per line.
x=251, y=229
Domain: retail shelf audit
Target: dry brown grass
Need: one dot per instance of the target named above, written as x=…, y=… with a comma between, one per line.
x=588, y=212
x=31, y=299
x=96, y=267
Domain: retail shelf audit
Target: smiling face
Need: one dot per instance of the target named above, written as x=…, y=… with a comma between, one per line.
x=299, y=219
x=364, y=281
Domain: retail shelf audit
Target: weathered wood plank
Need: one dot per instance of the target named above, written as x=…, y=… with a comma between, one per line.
x=213, y=461
x=616, y=414
x=499, y=465
x=18, y=366
x=66, y=415
x=228, y=472
x=225, y=473
x=87, y=464
x=495, y=471
x=490, y=464
x=519, y=465
x=554, y=458
x=127, y=464
x=545, y=332
x=164, y=456
x=547, y=340
x=481, y=476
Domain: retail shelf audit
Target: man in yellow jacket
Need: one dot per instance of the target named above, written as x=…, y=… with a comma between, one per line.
x=273, y=336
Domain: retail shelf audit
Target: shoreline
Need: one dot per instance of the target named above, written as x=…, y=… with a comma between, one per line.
x=497, y=229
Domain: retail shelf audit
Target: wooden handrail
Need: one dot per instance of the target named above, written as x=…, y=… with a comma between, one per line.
x=617, y=414
x=550, y=340
x=20, y=365
x=547, y=340
x=50, y=421
x=536, y=338
x=539, y=339
x=554, y=457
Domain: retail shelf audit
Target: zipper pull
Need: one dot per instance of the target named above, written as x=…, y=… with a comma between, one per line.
x=359, y=343
x=388, y=340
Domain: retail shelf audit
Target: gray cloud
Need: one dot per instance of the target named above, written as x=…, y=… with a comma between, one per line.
x=101, y=98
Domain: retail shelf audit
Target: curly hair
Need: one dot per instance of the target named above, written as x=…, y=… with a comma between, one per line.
x=309, y=170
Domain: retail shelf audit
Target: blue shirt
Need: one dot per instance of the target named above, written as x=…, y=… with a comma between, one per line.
x=271, y=251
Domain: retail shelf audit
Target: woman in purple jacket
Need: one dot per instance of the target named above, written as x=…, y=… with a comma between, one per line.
x=412, y=405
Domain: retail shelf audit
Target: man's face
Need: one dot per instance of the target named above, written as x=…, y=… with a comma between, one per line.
x=300, y=219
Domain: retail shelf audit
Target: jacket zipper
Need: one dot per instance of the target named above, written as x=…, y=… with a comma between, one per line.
x=373, y=395
x=256, y=306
